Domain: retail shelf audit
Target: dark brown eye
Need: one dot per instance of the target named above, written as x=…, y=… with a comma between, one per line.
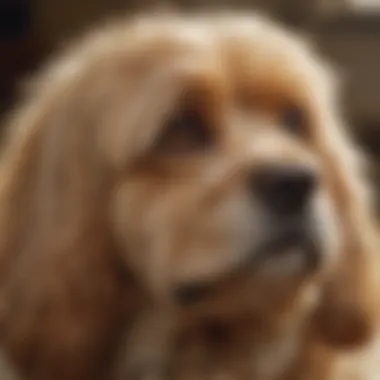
x=294, y=120
x=186, y=132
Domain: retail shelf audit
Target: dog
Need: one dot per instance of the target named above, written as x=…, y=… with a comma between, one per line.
x=180, y=199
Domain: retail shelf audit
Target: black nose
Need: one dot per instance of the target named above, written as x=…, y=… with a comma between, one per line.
x=284, y=189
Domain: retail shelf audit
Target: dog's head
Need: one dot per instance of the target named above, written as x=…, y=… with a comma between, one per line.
x=210, y=151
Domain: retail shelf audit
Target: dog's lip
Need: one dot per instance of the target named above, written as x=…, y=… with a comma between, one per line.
x=285, y=241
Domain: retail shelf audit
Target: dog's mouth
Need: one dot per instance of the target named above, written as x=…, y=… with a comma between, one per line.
x=297, y=240
x=293, y=238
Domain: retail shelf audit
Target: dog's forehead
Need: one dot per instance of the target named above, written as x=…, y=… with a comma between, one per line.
x=251, y=54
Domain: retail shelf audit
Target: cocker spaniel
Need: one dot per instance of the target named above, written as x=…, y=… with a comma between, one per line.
x=179, y=200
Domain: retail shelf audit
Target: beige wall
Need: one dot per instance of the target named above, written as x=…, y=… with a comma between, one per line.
x=359, y=55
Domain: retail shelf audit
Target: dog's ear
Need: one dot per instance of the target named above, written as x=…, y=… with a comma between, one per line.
x=63, y=291
x=348, y=312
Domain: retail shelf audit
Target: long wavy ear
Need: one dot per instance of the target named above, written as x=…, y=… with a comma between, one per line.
x=63, y=294
x=348, y=313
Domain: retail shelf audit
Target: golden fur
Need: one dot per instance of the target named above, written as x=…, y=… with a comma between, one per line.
x=105, y=213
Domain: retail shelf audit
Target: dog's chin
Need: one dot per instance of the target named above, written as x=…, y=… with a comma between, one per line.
x=292, y=254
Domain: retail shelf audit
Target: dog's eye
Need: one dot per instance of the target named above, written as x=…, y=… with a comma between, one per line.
x=294, y=120
x=186, y=132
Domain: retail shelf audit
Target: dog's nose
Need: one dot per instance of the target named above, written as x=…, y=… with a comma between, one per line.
x=285, y=189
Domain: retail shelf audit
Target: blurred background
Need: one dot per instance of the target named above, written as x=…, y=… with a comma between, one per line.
x=347, y=31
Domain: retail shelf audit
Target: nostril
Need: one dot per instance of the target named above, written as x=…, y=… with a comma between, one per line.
x=285, y=189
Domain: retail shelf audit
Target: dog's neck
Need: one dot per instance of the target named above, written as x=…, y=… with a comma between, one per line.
x=244, y=349
x=234, y=348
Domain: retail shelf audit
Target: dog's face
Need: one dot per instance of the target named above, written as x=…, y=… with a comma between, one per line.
x=217, y=138
x=199, y=158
